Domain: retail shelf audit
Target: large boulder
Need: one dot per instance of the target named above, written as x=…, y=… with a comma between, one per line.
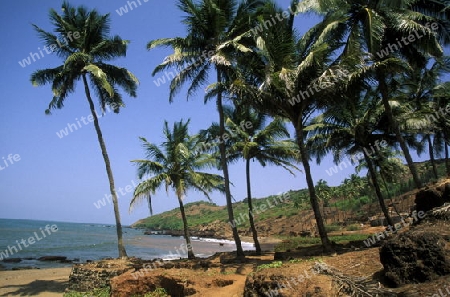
x=90, y=276
x=428, y=199
x=420, y=254
x=414, y=257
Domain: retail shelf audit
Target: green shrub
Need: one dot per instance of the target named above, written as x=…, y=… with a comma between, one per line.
x=274, y=264
x=102, y=292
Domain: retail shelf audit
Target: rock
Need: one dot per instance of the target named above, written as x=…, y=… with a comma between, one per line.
x=89, y=276
x=25, y=268
x=281, y=285
x=222, y=282
x=428, y=199
x=414, y=257
x=133, y=283
x=446, y=193
x=12, y=260
x=52, y=258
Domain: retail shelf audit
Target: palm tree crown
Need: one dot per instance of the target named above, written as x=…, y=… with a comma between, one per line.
x=176, y=164
x=83, y=59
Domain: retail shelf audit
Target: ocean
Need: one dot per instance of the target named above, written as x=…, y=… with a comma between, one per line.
x=30, y=239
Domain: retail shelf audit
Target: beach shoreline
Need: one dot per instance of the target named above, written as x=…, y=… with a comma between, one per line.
x=34, y=282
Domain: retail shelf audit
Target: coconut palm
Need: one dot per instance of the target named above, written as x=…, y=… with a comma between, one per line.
x=176, y=164
x=351, y=128
x=376, y=33
x=83, y=59
x=286, y=78
x=421, y=94
x=253, y=139
x=216, y=29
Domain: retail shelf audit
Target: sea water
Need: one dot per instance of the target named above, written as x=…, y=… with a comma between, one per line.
x=83, y=241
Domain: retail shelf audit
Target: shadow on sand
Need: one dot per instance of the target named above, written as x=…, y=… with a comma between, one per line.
x=37, y=287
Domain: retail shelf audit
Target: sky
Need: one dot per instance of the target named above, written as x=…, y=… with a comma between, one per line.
x=51, y=176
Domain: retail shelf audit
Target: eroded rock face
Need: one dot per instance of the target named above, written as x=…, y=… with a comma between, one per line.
x=139, y=283
x=414, y=257
x=87, y=277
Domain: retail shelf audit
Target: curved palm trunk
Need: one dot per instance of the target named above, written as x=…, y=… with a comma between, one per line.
x=376, y=185
x=395, y=127
x=112, y=188
x=312, y=192
x=431, y=152
x=224, y=164
x=250, y=208
x=186, y=231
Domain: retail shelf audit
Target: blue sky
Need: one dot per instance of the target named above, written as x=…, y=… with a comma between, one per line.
x=61, y=178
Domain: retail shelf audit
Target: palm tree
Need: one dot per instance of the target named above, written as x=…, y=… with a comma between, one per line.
x=253, y=140
x=282, y=80
x=351, y=128
x=175, y=165
x=83, y=59
x=216, y=29
x=421, y=95
x=376, y=33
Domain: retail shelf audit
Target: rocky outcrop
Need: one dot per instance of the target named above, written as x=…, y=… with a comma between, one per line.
x=87, y=277
x=414, y=257
x=432, y=197
x=139, y=283
x=52, y=258
x=420, y=254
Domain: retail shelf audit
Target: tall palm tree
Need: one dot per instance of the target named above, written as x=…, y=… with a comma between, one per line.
x=282, y=79
x=253, y=139
x=216, y=29
x=83, y=59
x=175, y=165
x=422, y=96
x=376, y=33
x=351, y=128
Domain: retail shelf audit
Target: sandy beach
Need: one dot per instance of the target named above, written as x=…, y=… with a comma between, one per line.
x=34, y=282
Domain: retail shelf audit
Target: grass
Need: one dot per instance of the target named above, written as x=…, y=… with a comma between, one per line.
x=102, y=292
x=274, y=264
x=209, y=212
x=292, y=243
x=105, y=292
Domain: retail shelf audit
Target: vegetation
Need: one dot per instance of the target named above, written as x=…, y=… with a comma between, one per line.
x=253, y=139
x=101, y=292
x=202, y=213
x=176, y=165
x=343, y=86
x=293, y=243
x=83, y=59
